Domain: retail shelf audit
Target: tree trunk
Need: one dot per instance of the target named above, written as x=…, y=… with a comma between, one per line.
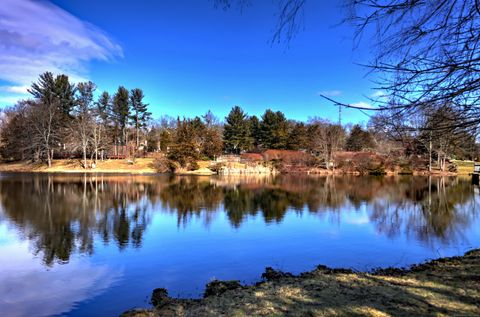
x=430, y=154
x=84, y=157
x=49, y=158
x=138, y=136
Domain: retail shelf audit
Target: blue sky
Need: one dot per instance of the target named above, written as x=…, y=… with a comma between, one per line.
x=187, y=56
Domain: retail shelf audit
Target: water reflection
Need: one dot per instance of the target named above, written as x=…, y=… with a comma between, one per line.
x=28, y=290
x=64, y=214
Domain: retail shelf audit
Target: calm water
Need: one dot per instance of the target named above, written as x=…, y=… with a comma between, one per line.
x=83, y=245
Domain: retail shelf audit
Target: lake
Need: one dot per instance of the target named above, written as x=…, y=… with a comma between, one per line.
x=98, y=245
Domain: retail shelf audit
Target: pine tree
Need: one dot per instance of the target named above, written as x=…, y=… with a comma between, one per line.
x=59, y=90
x=104, y=107
x=255, y=133
x=359, y=139
x=140, y=115
x=65, y=92
x=121, y=113
x=274, y=130
x=236, y=133
x=297, y=139
x=56, y=98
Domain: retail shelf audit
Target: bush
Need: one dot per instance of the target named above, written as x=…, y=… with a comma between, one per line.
x=164, y=165
x=289, y=157
x=368, y=163
x=192, y=166
x=216, y=167
x=251, y=157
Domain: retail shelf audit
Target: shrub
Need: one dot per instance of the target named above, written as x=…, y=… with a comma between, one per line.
x=368, y=163
x=164, y=165
x=251, y=157
x=289, y=157
x=193, y=165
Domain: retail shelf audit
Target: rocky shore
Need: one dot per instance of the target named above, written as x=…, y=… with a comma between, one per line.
x=442, y=287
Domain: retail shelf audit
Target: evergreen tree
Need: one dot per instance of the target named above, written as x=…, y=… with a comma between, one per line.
x=59, y=90
x=65, y=92
x=274, y=130
x=140, y=115
x=44, y=90
x=359, y=139
x=297, y=139
x=104, y=107
x=236, y=133
x=255, y=130
x=56, y=92
x=121, y=113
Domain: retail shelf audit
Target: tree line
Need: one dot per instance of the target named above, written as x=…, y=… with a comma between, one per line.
x=65, y=120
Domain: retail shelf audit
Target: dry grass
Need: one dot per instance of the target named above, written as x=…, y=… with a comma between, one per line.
x=445, y=287
x=140, y=166
x=464, y=167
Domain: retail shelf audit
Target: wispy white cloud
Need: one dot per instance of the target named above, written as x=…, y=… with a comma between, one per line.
x=15, y=89
x=378, y=94
x=330, y=93
x=362, y=104
x=38, y=36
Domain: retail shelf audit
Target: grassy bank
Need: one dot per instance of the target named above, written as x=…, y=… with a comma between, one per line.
x=140, y=166
x=148, y=166
x=443, y=287
x=464, y=167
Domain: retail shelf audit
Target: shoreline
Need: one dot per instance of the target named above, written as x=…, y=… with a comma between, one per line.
x=443, y=287
x=145, y=166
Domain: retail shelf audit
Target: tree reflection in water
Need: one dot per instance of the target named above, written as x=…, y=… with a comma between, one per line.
x=62, y=214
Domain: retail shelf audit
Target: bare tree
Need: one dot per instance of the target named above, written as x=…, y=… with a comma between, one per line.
x=99, y=139
x=427, y=54
x=101, y=134
x=43, y=119
x=290, y=17
x=83, y=123
x=15, y=143
x=325, y=139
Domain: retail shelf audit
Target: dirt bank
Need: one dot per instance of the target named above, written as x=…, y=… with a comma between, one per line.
x=443, y=287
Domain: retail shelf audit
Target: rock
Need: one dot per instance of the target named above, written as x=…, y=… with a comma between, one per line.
x=137, y=312
x=160, y=297
x=271, y=274
x=216, y=287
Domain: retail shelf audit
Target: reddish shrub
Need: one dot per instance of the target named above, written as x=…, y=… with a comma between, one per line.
x=362, y=162
x=251, y=157
x=289, y=158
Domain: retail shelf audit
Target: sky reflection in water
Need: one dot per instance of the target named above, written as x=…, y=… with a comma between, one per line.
x=83, y=245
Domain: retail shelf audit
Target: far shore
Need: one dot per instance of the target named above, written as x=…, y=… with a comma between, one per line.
x=139, y=166
x=147, y=166
x=442, y=287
